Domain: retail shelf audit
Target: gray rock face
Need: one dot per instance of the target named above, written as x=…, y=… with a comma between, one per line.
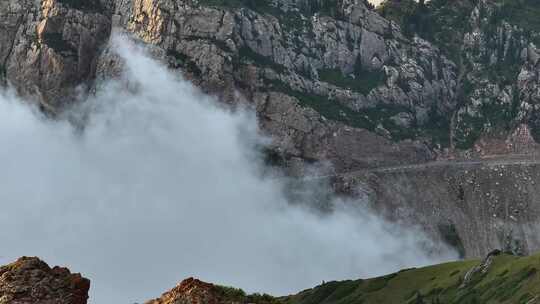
x=474, y=208
x=335, y=67
x=48, y=48
x=344, y=68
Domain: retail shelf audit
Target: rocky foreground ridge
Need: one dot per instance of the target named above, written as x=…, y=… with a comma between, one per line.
x=498, y=278
x=32, y=281
x=333, y=81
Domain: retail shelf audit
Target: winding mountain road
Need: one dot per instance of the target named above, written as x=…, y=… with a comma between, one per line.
x=496, y=161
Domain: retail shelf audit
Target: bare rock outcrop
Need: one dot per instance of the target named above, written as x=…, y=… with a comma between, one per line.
x=190, y=291
x=194, y=291
x=32, y=281
x=480, y=269
x=48, y=50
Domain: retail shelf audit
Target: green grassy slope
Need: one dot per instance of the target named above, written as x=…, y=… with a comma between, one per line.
x=509, y=279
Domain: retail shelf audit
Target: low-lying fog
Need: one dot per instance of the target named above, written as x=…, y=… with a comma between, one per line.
x=162, y=184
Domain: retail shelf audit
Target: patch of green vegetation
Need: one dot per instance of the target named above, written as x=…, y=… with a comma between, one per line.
x=441, y=283
x=3, y=72
x=468, y=131
x=256, y=5
x=452, y=238
x=506, y=70
x=84, y=5
x=470, y=128
x=272, y=158
x=294, y=20
x=492, y=118
x=453, y=273
x=327, y=292
x=236, y=295
x=56, y=42
x=534, y=124
x=436, y=128
x=361, y=81
x=439, y=21
x=442, y=23
x=246, y=53
x=291, y=20
x=328, y=108
x=397, y=11
x=379, y=283
x=523, y=13
x=368, y=118
x=183, y=61
x=328, y=7
x=231, y=293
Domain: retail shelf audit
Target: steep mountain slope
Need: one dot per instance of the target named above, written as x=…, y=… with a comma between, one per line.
x=473, y=207
x=496, y=52
x=334, y=68
x=496, y=279
x=330, y=80
x=340, y=65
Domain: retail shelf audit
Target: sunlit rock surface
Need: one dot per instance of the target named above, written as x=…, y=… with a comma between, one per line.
x=32, y=281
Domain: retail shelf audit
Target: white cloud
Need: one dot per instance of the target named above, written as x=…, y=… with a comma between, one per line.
x=162, y=184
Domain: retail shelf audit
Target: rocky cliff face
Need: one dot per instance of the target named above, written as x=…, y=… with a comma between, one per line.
x=30, y=281
x=338, y=70
x=344, y=73
x=495, y=47
x=324, y=79
x=330, y=80
x=48, y=48
x=471, y=208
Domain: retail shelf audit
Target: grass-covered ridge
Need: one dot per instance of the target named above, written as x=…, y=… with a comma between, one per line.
x=509, y=279
x=237, y=295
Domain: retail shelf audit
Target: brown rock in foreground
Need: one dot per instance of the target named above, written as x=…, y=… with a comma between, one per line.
x=30, y=280
x=190, y=291
x=194, y=291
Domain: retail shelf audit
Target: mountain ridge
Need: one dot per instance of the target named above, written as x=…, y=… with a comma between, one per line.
x=498, y=278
